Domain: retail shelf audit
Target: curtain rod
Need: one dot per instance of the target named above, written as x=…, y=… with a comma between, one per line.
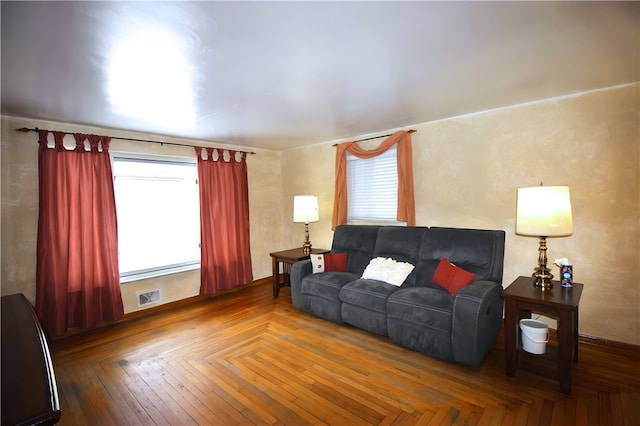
x=377, y=137
x=25, y=129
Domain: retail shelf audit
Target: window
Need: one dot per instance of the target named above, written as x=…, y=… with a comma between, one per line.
x=157, y=205
x=372, y=185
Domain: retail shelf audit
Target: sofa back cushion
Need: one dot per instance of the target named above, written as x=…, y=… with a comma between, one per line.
x=478, y=251
x=400, y=243
x=358, y=241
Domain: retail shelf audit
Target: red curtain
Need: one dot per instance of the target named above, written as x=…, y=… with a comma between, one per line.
x=406, y=202
x=77, y=276
x=224, y=220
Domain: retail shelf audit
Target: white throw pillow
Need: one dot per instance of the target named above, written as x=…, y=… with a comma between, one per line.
x=387, y=270
x=317, y=261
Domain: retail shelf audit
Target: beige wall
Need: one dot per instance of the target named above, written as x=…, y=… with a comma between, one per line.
x=467, y=171
x=19, y=156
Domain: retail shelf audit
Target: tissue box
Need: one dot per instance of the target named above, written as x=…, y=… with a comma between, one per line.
x=566, y=275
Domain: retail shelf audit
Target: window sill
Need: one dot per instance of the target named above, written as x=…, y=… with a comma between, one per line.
x=376, y=222
x=144, y=275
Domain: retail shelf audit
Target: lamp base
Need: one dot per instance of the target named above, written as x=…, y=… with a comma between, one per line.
x=543, y=279
x=541, y=273
x=306, y=246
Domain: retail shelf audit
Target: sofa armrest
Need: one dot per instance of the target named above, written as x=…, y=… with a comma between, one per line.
x=476, y=321
x=299, y=270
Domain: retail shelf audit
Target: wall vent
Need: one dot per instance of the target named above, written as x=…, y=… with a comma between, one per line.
x=147, y=297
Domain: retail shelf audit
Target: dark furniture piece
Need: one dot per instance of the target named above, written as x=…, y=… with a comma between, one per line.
x=29, y=392
x=419, y=314
x=520, y=299
x=287, y=258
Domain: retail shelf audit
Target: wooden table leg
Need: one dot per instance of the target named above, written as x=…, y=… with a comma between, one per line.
x=510, y=337
x=275, y=269
x=566, y=341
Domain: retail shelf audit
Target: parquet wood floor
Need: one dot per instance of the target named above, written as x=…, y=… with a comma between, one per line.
x=246, y=358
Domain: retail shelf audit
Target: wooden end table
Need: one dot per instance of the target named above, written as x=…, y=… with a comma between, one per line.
x=287, y=258
x=520, y=299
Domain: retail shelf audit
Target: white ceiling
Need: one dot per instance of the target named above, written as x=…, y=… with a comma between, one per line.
x=277, y=75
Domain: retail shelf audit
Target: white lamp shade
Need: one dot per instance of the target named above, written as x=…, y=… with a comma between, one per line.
x=544, y=211
x=305, y=208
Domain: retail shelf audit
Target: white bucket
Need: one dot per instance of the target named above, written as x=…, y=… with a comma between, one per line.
x=535, y=335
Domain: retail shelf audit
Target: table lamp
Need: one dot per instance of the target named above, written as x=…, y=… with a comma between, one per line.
x=305, y=210
x=544, y=211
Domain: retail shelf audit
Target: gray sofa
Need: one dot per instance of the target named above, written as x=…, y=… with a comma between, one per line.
x=419, y=314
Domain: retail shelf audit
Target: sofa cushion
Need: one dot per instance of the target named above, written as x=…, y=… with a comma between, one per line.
x=359, y=242
x=372, y=294
x=387, y=270
x=326, y=285
x=475, y=250
x=401, y=243
x=364, y=304
x=420, y=318
x=329, y=262
x=429, y=307
x=451, y=277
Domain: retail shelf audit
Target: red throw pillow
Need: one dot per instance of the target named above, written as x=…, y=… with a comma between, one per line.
x=451, y=277
x=335, y=262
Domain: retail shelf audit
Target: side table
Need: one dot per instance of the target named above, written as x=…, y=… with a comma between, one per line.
x=520, y=299
x=287, y=258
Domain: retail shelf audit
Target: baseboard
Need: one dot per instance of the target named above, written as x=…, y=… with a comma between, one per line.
x=593, y=340
x=599, y=341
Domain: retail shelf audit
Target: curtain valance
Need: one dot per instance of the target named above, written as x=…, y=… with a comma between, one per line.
x=406, y=203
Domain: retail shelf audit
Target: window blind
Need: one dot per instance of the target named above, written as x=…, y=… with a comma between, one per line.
x=372, y=187
x=158, y=212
